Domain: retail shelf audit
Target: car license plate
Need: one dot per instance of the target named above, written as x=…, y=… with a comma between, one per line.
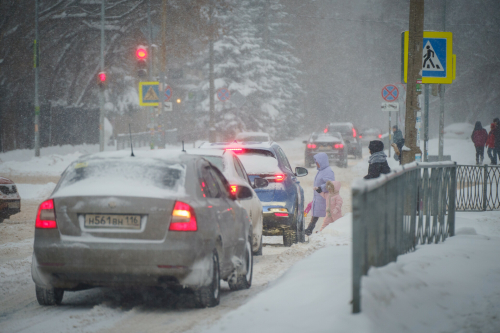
x=15, y=204
x=325, y=148
x=113, y=221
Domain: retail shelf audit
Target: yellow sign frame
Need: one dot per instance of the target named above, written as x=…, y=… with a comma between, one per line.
x=141, y=87
x=451, y=62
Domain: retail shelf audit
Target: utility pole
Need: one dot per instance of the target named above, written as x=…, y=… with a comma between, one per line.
x=36, y=54
x=211, y=134
x=150, y=108
x=416, y=35
x=441, y=100
x=101, y=88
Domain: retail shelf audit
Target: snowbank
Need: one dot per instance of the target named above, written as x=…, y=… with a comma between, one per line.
x=447, y=287
x=35, y=192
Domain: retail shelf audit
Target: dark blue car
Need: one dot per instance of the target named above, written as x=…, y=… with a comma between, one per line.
x=283, y=199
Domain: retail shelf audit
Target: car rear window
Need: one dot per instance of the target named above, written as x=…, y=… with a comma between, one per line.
x=149, y=172
x=259, y=162
x=215, y=160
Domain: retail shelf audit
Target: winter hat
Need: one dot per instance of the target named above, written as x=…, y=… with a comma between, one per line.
x=478, y=126
x=492, y=126
x=496, y=120
x=376, y=146
x=330, y=187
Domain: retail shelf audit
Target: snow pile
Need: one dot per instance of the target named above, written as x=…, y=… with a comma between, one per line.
x=447, y=287
x=35, y=192
x=451, y=287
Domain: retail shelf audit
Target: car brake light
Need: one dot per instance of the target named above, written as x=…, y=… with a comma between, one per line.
x=338, y=145
x=183, y=218
x=281, y=214
x=235, y=150
x=46, y=216
x=354, y=134
x=325, y=130
x=311, y=146
x=279, y=177
x=233, y=189
x=380, y=136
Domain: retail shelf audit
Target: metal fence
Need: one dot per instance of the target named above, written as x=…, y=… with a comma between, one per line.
x=478, y=187
x=394, y=213
x=143, y=139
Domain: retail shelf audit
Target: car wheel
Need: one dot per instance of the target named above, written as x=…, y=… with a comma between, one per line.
x=301, y=230
x=244, y=281
x=259, y=251
x=49, y=296
x=209, y=296
x=289, y=237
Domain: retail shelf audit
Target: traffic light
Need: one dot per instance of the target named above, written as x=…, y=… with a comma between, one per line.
x=141, y=54
x=101, y=78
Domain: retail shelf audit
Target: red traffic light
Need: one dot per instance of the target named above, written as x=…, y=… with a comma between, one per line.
x=141, y=53
x=102, y=77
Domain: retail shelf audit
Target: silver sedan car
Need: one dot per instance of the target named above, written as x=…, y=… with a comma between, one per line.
x=154, y=219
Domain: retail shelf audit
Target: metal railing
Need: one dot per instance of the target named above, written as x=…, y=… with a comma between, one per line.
x=478, y=187
x=143, y=139
x=394, y=213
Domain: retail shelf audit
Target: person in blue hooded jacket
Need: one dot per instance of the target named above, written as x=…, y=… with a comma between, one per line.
x=325, y=173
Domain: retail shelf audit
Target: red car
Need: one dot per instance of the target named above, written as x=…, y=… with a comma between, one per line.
x=10, y=201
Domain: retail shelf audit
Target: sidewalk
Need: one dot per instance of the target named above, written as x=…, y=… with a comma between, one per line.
x=448, y=287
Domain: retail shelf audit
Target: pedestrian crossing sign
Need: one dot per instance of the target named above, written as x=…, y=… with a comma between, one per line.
x=438, y=60
x=148, y=93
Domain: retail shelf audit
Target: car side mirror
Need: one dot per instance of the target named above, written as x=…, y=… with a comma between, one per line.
x=301, y=172
x=243, y=193
x=305, y=141
x=260, y=182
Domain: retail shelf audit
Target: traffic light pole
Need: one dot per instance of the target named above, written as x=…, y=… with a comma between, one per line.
x=37, y=102
x=150, y=108
x=163, y=117
x=101, y=88
x=211, y=134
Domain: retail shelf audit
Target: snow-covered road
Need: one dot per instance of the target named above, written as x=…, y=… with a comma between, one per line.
x=112, y=310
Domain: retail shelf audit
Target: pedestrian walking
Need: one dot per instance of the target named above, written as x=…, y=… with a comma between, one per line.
x=479, y=137
x=377, y=161
x=333, y=203
x=397, y=138
x=496, y=134
x=490, y=143
x=325, y=173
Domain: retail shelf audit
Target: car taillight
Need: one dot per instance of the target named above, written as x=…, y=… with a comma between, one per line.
x=183, y=218
x=278, y=178
x=380, y=136
x=311, y=146
x=233, y=189
x=361, y=137
x=281, y=214
x=338, y=146
x=46, y=216
x=354, y=134
x=235, y=150
x=325, y=130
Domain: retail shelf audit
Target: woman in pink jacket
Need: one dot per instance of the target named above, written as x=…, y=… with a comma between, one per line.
x=333, y=203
